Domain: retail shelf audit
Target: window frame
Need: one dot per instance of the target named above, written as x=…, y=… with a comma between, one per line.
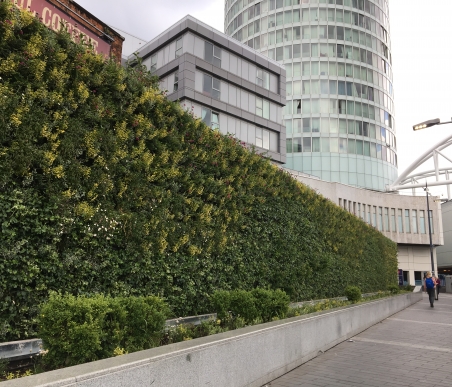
x=178, y=52
x=153, y=67
x=212, y=88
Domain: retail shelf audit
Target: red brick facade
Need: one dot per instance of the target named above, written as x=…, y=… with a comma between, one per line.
x=77, y=20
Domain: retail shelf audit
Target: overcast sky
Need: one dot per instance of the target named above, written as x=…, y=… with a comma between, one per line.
x=421, y=50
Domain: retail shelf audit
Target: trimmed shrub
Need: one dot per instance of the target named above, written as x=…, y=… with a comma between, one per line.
x=270, y=303
x=394, y=289
x=81, y=329
x=107, y=187
x=258, y=304
x=353, y=293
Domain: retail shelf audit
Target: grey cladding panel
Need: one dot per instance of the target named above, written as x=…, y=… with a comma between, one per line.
x=249, y=55
x=173, y=32
x=274, y=97
x=164, y=39
x=261, y=121
x=189, y=83
x=203, y=98
x=274, y=126
x=219, y=105
x=235, y=111
x=192, y=25
x=221, y=40
x=235, y=48
x=183, y=25
x=189, y=93
x=261, y=61
x=235, y=79
x=248, y=85
x=204, y=31
x=190, y=66
x=190, y=58
x=219, y=72
x=248, y=116
x=274, y=68
x=261, y=91
x=204, y=65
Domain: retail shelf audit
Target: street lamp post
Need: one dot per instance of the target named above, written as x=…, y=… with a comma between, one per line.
x=423, y=125
x=429, y=230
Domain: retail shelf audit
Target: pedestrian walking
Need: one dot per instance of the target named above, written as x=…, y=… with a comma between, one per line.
x=430, y=288
x=438, y=285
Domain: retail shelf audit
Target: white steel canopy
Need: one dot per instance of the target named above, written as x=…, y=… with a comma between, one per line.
x=410, y=180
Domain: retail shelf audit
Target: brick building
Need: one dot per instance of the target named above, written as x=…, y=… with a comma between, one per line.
x=78, y=21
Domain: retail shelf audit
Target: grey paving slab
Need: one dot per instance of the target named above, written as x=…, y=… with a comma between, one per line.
x=410, y=348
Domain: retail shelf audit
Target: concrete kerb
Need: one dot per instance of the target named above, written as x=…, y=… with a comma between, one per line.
x=250, y=356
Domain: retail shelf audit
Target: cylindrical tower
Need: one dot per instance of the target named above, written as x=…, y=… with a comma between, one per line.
x=339, y=115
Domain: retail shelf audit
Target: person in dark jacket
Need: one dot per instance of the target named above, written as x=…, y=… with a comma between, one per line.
x=430, y=288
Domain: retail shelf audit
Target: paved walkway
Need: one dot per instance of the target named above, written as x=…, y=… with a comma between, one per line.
x=410, y=348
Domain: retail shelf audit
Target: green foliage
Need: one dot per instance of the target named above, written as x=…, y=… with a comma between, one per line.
x=406, y=288
x=3, y=366
x=316, y=307
x=79, y=329
x=353, y=293
x=394, y=289
x=185, y=332
x=108, y=187
x=256, y=305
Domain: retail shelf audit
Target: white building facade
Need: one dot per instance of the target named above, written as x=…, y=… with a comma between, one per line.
x=403, y=219
x=339, y=115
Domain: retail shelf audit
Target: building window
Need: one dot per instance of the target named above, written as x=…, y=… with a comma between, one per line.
x=422, y=221
x=263, y=138
x=212, y=54
x=407, y=221
x=393, y=220
x=386, y=219
x=262, y=108
x=211, y=86
x=178, y=47
x=297, y=106
x=369, y=219
x=263, y=79
x=400, y=220
x=380, y=218
x=176, y=82
x=153, y=63
x=374, y=216
x=414, y=221
x=430, y=218
x=259, y=137
x=210, y=118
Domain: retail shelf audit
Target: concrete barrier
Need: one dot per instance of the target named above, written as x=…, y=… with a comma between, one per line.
x=251, y=356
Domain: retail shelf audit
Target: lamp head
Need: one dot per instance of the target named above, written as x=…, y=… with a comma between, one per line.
x=426, y=124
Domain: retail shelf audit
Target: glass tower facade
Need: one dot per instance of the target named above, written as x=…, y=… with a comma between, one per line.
x=339, y=116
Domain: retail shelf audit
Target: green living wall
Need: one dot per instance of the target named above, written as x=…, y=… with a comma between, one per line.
x=107, y=187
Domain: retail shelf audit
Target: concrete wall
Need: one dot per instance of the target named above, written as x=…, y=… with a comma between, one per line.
x=338, y=192
x=250, y=356
x=415, y=258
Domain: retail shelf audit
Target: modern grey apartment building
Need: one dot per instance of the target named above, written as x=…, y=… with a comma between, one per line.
x=339, y=116
x=227, y=84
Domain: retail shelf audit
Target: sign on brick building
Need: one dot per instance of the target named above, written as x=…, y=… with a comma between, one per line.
x=54, y=17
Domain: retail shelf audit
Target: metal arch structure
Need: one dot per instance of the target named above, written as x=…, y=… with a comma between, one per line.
x=410, y=180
